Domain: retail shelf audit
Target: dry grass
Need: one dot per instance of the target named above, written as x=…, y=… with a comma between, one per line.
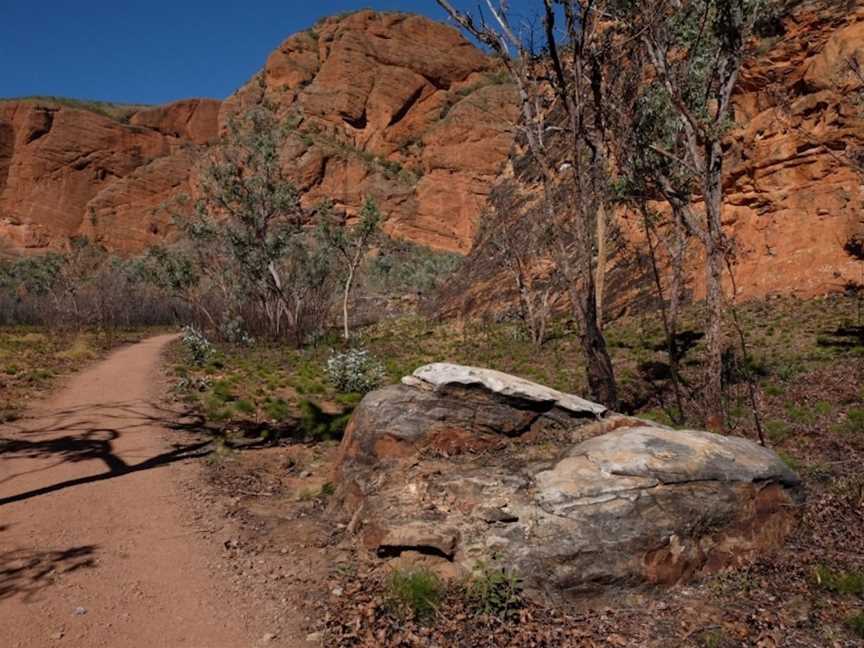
x=32, y=359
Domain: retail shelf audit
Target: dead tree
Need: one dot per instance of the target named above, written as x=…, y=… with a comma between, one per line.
x=571, y=154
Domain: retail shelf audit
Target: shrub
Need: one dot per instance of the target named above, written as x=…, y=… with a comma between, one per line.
x=318, y=424
x=854, y=423
x=197, y=344
x=856, y=624
x=413, y=593
x=277, y=409
x=840, y=582
x=778, y=431
x=494, y=591
x=354, y=371
x=234, y=332
x=405, y=268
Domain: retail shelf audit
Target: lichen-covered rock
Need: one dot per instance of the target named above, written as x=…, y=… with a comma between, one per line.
x=571, y=497
x=659, y=506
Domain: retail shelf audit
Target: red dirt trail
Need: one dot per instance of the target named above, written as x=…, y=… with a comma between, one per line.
x=94, y=550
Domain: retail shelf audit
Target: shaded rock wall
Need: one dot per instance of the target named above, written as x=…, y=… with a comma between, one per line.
x=792, y=198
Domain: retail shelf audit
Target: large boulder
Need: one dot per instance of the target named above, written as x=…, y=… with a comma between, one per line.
x=463, y=464
x=452, y=409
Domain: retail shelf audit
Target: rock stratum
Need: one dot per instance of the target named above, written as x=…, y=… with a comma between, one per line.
x=405, y=110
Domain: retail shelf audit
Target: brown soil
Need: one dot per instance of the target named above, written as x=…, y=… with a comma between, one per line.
x=100, y=545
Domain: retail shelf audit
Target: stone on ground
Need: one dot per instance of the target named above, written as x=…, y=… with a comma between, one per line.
x=461, y=464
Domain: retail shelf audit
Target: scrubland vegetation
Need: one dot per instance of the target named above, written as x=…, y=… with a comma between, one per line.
x=269, y=384
x=292, y=313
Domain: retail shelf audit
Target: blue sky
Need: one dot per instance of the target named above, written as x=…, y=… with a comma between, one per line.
x=155, y=51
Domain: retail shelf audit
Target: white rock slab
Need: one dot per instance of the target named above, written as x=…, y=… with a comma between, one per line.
x=441, y=374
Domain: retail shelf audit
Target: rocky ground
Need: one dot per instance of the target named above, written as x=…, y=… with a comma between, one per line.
x=290, y=542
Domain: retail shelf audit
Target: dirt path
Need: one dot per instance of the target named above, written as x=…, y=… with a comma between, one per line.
x=93, y=547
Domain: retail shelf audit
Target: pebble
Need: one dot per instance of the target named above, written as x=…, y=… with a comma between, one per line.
x=80, y=611
x=314, y=637
x=269, y=637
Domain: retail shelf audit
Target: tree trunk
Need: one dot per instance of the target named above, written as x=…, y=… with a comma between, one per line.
x=598, y=365
x=346, y=332
x=713, y=392
x=602, y=254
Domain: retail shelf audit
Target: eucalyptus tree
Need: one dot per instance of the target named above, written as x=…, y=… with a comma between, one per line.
x=564, y=99
x=251, y=235
x=349, y=244
x=696, y=49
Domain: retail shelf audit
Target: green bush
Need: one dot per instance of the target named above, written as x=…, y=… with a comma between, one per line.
x=494, y=591
x=318, y=424
x=277, y=409
x=402, y=267
x=197, y=345
x=413, y=593
x=354, y=371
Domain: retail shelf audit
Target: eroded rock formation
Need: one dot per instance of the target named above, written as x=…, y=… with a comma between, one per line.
x=459, y=465
x=794, y=178
x=405, y=110
x=792, y=197
x=393, y=106
x=66, y=171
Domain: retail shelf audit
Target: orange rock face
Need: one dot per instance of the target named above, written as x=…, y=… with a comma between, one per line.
x=396, y=107
x=794, y=173
x=193, y=120
x=66, y=172
x=794, y=194
x=405, y=110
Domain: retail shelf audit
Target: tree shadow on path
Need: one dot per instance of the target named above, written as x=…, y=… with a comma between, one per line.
x=79, y=440
x=25, y=572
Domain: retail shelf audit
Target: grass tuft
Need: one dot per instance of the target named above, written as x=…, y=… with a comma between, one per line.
x=413, y=593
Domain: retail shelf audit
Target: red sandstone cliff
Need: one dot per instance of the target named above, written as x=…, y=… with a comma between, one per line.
x=397, y=107
x=793, y=199
x=66, y=171
x=405, y=110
